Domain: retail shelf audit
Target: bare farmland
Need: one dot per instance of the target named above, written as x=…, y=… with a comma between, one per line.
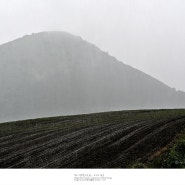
x=102, y=140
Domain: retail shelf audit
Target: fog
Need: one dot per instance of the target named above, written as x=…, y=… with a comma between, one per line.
x=148, y=35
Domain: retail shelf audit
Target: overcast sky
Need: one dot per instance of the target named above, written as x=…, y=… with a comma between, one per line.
x=146, y=34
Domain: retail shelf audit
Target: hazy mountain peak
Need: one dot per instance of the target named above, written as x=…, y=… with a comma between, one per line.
x=56, y=73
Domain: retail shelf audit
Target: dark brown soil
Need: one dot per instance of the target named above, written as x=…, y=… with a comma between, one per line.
x=105, y=140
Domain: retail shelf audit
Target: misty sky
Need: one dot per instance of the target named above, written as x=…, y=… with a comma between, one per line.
x=146, y=34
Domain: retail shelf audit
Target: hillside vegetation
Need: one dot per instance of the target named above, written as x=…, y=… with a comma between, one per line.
x=101, y=140
x=56, y=73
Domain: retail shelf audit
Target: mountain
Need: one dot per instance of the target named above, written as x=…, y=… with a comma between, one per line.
x=56, y=73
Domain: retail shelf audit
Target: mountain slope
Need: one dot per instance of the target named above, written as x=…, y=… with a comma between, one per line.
x=55, y=73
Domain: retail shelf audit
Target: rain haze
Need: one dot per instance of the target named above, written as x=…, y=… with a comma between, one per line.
x=92, y=84
x=148, y=35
